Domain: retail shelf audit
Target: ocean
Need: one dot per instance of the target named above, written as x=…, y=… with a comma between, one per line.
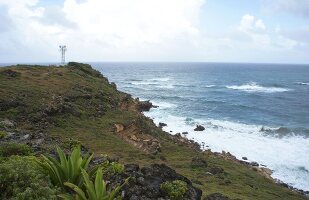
x=258, y=111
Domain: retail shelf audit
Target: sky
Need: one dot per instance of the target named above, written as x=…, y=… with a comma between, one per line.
x=258, y=31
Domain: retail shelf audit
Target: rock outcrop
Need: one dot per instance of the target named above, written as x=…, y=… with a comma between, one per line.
x=199, y=128
x=145, y=182
x=133, y=135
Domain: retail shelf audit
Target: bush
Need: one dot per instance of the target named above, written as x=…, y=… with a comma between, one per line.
x=21, y=178
x=9, y=149
x=71, y=143
x=117, y=168
x=3, y=134
x=175, y=189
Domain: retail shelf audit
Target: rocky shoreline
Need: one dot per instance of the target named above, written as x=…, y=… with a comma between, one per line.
x=261, y=169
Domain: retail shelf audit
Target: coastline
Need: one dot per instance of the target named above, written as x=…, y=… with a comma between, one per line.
x=200, y=146
x=84, y=107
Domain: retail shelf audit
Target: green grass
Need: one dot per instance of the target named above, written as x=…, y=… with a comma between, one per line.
x=84, y=91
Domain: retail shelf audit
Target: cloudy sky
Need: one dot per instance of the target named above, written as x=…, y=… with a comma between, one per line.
x=271, y=31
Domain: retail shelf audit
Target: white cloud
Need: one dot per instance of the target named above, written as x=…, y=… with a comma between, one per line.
x=119, y=29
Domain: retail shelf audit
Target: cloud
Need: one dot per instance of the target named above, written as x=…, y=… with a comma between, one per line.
x=295, y=7
x=248, y=23
x=93, y=29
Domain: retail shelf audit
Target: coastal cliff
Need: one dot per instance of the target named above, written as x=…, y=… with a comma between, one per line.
x=44, y=106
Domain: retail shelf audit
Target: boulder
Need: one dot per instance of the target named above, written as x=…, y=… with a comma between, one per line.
x=118, y=128
x=244, y=158
x=254, y=164
x=161, y=124
x=199, y=128
x=145, y=182
x=144, y=105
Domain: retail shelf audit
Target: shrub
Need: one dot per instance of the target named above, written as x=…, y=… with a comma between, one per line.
x=3, y=134
x=117, y=168
x=92, y=191
x=175, y=189
x=9, y=149
x=21, y=178
x=71, y=143
x=68, y=169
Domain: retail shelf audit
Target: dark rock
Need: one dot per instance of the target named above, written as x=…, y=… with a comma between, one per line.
x=199, y=128
x=244, y=158
x=161, y=124
x=216, y=170
x=131, y=167
x=216, y=196
x=198, y=162
x=144, y=105
x=145, y=183
x=10, y=73
x=184, y=133
x=254, y=164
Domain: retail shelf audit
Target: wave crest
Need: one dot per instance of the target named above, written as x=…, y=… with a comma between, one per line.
x=254, y=87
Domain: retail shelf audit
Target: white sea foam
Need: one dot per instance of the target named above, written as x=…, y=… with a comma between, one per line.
x=254, y=87
x=302, y=83
x=163, y=105
x=287, y=156
x=164, y=79
x=209, y=86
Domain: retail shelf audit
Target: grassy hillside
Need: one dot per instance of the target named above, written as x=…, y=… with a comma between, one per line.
x=77, y=102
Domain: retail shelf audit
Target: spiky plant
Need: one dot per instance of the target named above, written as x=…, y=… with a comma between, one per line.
x=92, y=191
x=67, y=168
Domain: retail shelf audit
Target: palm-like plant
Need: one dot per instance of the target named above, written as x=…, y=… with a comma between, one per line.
x=94, y=191
x=68, y=168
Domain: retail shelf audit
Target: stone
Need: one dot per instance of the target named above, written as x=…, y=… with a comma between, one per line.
x=244, y=158
x=254, y=164
x=184, y=133
x=144, y=105
x=161, y=124
x=199, y=128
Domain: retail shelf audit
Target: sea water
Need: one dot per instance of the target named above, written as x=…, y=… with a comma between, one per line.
x=258, y=111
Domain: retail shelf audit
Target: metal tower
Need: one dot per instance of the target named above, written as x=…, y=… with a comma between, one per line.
x=63, y=49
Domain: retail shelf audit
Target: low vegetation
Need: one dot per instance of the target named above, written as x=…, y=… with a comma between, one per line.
x=9, y=149
x=175, y=189
x=21, y=178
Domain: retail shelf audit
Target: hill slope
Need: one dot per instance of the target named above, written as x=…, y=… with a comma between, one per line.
x=75, y=102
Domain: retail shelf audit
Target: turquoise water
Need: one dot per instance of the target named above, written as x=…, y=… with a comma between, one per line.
x=260, y=111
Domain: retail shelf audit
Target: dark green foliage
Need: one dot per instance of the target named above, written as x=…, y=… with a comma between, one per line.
x=9, y=149
x=3, y=134
x=21, y=178
x=175, y=189
x=71, y=143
